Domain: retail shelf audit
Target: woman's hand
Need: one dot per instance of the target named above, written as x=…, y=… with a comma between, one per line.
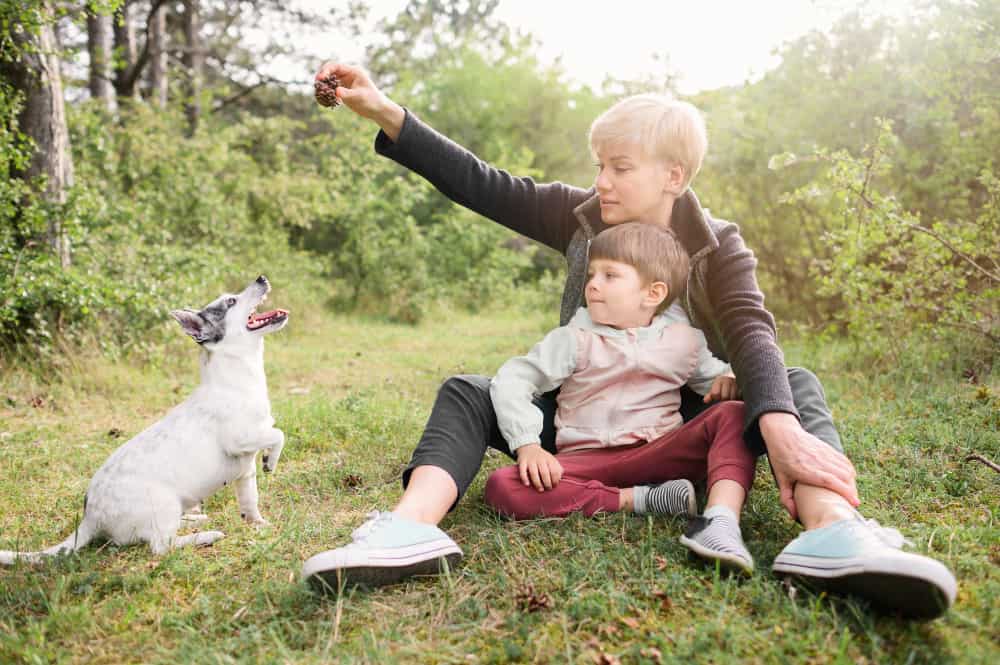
x=356, y=90
x=724, y=387
x=797, y=456
x=538, y=467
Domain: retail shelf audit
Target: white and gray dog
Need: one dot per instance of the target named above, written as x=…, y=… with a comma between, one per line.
x=142, y=492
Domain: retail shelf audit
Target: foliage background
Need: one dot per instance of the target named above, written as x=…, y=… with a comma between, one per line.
x=861, y=170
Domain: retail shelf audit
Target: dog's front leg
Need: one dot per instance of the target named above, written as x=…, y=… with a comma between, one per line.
x=247, y=496
x=269, y=440
x=276, y=441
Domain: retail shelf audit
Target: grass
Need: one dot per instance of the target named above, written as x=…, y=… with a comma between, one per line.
x=352, y=396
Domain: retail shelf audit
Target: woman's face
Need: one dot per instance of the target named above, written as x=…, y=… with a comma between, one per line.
x=633, y=187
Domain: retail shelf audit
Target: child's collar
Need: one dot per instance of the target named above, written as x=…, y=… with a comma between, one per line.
x=582, y=320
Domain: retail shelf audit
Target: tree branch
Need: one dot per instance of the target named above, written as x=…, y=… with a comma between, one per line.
x=995, y=277
x=979, y=458
x=140, y=62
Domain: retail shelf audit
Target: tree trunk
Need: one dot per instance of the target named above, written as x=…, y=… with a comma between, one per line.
x=35, y=73
x=100, y=46
x=158, y=54
x=125, y=49
x=193, y=59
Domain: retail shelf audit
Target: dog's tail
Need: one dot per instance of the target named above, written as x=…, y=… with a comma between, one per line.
x=76, y=540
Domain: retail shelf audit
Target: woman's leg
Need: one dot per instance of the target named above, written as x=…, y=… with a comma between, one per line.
x=392, y=546
x=462, y=425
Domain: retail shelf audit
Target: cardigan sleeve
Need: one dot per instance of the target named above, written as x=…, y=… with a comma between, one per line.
x=747, y=328
x=542, y=212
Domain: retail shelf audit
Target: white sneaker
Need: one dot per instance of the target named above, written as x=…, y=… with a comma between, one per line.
x=384, y=550
x=859, y=557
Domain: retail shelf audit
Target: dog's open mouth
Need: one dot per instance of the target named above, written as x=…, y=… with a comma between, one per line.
x=256, y=321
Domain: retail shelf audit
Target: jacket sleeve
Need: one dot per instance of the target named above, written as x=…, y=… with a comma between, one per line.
x=747, y=328
x=542, y=212
x=520, y=379
x=709, y=367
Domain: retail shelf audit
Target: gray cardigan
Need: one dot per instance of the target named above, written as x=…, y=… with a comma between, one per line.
x=722, y=297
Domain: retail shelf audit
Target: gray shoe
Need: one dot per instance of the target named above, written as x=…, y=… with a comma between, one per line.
x=718, y=538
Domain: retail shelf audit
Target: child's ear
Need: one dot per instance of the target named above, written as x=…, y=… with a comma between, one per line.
x=656, y=293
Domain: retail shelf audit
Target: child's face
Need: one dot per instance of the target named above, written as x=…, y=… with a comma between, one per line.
x=633, y=187
x=617, y=297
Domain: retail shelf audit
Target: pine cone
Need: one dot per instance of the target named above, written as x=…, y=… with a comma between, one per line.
x=326, y=91
x=528, y=600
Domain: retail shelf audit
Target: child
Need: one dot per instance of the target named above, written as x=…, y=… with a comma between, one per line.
x=620, y=364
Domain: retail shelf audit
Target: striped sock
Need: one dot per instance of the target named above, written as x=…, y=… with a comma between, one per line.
x=716, y=536
x=674, y=497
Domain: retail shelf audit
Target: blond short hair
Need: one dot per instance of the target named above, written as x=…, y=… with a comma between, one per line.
x=664, y=128
x=654, y=251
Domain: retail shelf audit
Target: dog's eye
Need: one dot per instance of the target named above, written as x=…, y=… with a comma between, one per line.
x=230, y=301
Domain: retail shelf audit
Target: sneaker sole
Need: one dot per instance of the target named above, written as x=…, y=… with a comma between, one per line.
x=381, y=569
x=726, y=561
x=916, y=587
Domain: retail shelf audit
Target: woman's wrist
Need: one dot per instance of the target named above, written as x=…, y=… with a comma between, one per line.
x=776, y=421
x=390, y=117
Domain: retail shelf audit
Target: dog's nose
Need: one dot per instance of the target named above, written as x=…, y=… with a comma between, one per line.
x=262, y=281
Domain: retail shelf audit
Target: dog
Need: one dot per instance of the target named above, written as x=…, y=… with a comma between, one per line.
x=158, y=479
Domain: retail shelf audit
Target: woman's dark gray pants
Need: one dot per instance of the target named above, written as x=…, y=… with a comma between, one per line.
x=462, y=424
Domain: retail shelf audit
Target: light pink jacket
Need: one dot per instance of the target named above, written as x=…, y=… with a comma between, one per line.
x=618, y=387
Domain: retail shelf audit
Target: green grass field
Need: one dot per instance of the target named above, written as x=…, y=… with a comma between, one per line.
x=352, y=396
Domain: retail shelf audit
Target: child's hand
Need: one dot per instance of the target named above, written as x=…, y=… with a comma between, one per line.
x=538, y=467
x=724, y=387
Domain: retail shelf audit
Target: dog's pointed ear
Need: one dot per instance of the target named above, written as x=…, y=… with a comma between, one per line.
x=191, y=322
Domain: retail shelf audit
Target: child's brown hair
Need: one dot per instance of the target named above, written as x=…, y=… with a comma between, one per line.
x=654, y=252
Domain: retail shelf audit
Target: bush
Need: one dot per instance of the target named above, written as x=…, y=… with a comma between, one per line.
x=898, y=278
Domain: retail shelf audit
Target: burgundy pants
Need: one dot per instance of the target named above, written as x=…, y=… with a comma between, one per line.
x=709, y=446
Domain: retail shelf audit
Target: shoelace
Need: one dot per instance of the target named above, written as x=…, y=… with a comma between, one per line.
x=888, y=535
x=374, y=521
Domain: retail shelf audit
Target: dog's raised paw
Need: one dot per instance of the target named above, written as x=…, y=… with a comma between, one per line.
x=206, y=538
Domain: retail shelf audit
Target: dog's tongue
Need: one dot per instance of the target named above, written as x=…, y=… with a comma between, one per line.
x=255, y=321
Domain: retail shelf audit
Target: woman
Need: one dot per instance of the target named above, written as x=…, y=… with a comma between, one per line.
x=786, y=412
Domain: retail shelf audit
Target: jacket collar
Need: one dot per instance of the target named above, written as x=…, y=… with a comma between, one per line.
x=582, y=320
x=688, y=220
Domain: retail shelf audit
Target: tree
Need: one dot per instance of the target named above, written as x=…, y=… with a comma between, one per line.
x=193, y=61
x=100, y=48
x=32, y=69
x=127, y=65
x=158, y=57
